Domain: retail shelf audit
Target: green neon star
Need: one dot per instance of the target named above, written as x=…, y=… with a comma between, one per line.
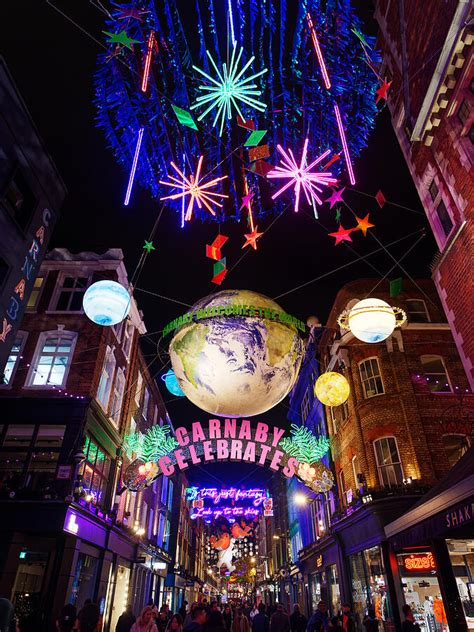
x=121, y=38
x=148, y=246
x=338, y=215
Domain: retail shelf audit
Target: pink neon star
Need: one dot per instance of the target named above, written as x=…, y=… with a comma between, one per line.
x=301, y=176
x=246, y=200
x=336, y=196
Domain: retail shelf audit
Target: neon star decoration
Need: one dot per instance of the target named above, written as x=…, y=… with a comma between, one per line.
x=148, y=246
x=336, y=196
x=252, y=238
x=382, y=91
x=229, y=88
x=121, y=38
x=363, y=224
x=198, y=191
x=301, y=176
x=342, y=234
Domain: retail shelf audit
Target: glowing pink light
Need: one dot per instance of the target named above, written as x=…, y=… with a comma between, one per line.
x=319, y=54
x=301, y=176
x=134, y=166
x=342, y=134
x=146, y=69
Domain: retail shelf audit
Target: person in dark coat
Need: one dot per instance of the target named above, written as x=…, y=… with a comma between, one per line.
x=319, y=620
x=227, y=617
x=7, y=616
x=260, y=622
x=347, y=619
x=371, y=623
x=215, y=622
x=335, y=625
x=280, y=621
x=198, y=618
x=183, y=611
x=409, y=625
x=67, y=618
x=126, y=620
x=298, y=621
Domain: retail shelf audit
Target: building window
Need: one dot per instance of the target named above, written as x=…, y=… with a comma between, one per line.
x=388, y=461
x=70, y=294
x=35, y=294
x=305, y=405
x=106, y=379
x=416, y=309
x=29, y=457
x=117, y=398
x=52, y=359
x=464, y=111
x=342, y=484
x=94, y=471
x=146, y=403
x=455, y=446
x=433, y=189
x=128, y=339
x=345, y=411
x=138, y=389
x=435, y=374
x=354, y=471
x=444, y=218
x=13, y=359
x=371, y=378
x=333, y=419
x=19, y=199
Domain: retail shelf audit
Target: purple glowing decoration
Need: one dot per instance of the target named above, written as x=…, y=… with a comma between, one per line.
x=134, y=166
x=301, y=176
x=342, y=134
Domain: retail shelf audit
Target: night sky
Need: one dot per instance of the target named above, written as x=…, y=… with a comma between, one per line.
x=53, y=63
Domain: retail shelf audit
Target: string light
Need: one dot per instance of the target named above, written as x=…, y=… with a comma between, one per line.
x=146, y=69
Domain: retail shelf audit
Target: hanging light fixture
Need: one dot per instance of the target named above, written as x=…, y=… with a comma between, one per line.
x=332, y=389
x=372, y=320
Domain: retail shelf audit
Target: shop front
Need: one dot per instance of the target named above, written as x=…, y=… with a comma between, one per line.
x=433, y=545
x=321, y=570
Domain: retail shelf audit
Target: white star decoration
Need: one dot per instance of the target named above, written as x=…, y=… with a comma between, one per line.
x=198, y=193
x=301, y=176
x=229, y=89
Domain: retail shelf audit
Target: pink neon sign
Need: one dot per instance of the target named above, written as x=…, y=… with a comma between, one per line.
x=228, y=512
x=256, y=495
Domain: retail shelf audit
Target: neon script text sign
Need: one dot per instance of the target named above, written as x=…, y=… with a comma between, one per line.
x=234, y=310
x=419, y=562
x=227, y=512
x=256, y=495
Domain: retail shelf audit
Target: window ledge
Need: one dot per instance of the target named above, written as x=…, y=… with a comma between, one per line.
x=43, y=387
x=65, y=311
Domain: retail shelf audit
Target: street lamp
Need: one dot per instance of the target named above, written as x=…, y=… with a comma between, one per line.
x=300, y=499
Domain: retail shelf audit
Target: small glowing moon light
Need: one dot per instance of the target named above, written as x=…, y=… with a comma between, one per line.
x=332, y=389
x=172, y=384
x=106, y=303
x=372, y=320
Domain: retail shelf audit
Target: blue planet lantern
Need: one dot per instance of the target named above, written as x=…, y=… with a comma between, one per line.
x=106, y=303
x=171, y=382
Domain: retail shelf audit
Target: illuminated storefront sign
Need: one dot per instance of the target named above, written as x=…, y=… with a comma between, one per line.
x=211, y=513
x=419, y=562
x=256, y=495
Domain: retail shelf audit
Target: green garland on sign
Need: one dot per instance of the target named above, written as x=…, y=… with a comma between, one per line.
x=304, y=446
x=151, y=445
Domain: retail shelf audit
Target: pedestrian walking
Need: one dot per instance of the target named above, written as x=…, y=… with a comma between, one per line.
x=188, y=617
x=145, y=622
x=348, y=621
x=280, y=621
x=227, y=617
x=319, y=620
x=161, y=619
x=175, y=624
x=261, y=622
x=198, y=618
x=89, y=619
x=126, y=620
x=67, y=618
x=215, y=622
x=298, y=621
x=241, y=623
x=335, y=625
x=183, y=610
x=371, y=623
x=409, y=625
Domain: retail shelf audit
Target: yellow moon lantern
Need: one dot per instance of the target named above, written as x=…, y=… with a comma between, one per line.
x=332, y=389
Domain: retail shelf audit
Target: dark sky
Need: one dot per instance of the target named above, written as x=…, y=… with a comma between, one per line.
x=53, y=62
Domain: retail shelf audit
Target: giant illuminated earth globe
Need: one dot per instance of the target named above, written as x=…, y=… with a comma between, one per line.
x=236, y=366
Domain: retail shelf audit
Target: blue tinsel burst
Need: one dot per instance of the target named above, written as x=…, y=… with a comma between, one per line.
x=298, y=105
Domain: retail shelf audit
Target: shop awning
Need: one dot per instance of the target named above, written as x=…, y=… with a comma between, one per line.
x=447, y=508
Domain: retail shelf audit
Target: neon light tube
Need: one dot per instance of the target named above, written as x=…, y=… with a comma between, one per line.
x=231, y=19
x=319, y=54
x=134, y=166
x=149, y=52
x=342, y=134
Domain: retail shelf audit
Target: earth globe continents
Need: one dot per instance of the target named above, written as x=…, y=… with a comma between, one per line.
x=233, y=365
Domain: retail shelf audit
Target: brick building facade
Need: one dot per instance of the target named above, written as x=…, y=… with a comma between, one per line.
x=430, y=63
x=75, y=389
x=406, y=423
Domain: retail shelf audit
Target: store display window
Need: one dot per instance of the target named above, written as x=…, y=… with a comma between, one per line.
x=461, y=553
x=421, y=590
x=334, y=591
x=369, y=587
x=84, y=579
x=317, y=589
